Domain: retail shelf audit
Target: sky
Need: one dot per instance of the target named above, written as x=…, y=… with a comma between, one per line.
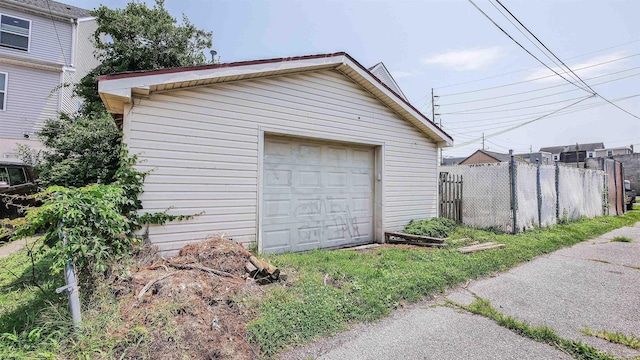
x=484, y=82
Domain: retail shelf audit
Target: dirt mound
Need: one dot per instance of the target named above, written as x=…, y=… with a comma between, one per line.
x=190, y=312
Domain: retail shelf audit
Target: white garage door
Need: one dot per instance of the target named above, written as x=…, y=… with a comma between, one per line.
x=316, y=194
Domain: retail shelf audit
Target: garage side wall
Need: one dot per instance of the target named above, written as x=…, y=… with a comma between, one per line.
x=202, y=146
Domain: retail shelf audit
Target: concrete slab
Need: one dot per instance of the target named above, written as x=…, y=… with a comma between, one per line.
x=568, y=291
x=594, y=284
x=428, y=333
x=12, y=247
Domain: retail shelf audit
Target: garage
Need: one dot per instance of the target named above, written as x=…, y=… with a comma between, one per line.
x=316, y=194
x=284, y=155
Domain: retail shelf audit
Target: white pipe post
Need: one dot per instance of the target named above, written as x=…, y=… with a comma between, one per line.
x=71, y=287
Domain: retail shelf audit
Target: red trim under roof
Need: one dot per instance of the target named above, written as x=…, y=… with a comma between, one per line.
x=131, y=74
x=264, y=61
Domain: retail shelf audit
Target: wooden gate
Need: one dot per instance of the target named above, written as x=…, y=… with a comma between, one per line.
x=450, y=190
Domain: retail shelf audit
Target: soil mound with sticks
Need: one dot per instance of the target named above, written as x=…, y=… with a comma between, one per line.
x=193, y=306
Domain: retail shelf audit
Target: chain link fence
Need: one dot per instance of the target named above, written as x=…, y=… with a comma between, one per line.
x=486, y=194
x=513, y=196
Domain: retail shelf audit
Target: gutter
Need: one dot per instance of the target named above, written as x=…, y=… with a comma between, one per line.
x=22, y=6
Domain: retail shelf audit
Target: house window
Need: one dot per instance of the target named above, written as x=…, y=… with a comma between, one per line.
x=3, y=91
x=14, y=32
x=556, y=157
x=609, y=152
x=591, y=154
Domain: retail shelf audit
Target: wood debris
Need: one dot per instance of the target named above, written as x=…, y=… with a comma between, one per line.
x=263, y=272
x=402, y=238
x=480, y=247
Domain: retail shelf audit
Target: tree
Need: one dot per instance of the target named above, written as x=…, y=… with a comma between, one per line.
x=140, y=38
x=81, y=150
x=85, y=148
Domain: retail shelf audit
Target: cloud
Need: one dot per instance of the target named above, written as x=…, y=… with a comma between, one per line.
x=470, y=59
x=595, y=66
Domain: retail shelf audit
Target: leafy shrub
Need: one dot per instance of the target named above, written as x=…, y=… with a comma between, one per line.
x=80, y=151
x=99, y=221
x=436, y=227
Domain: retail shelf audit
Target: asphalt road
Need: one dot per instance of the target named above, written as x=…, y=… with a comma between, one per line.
x=593, y=284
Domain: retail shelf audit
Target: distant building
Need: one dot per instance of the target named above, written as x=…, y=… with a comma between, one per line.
x=380, y=71
x=452, y=160
x=572, y=154
x=613, y=151
x=485, y=157
x=542, y=157
x=44, y=45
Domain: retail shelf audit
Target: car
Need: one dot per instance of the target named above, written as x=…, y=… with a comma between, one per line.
x=16, y=178
x=629, y=195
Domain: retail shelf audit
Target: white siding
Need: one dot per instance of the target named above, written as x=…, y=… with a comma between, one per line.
x=29, y=103
x=203, y=147
x=84, y=61
x=43, y=44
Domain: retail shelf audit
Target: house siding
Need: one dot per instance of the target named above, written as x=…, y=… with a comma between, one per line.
x=47, y=42
x=83, y=62
x=29, y=102
x=203, y=146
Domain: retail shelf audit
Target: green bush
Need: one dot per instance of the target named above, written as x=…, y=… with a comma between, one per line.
x=92, y=219
x=80, y=151
x=436, y=227
x=99, y=221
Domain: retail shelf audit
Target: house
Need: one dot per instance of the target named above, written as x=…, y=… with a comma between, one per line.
x=292, y=153
x=540, y=157
x=572, y=154
x=450, y=160
x=608, y=152
x=43, y=45
x=485, y=157
x=380, y=71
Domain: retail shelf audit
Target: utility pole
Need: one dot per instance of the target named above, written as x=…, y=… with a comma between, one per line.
x=433, y=109
x=482, y=141
x=577, y=156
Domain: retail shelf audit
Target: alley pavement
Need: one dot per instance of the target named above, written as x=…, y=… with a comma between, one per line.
x=594, y=284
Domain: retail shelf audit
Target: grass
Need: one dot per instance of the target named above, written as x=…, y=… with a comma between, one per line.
x=615, y=337
x=621, y=239
x=542, y=334
x=330, y=290
x=363, y=287
x=34, y=320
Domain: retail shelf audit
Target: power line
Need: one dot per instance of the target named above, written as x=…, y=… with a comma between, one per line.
x=527, y=122
x=543, y=45
x=523, y=48
x=540, y=89
x=535, y=67
x=55, y=29
x=571, y=74
x=590, y=88
x=580, y=108
x=538, y=78
x=469, y=111
x=473, y=112
x=559, y=113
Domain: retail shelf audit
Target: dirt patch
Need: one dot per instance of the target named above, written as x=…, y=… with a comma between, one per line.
x=188, y=313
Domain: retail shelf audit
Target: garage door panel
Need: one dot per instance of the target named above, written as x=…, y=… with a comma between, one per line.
x=316, y=195
x=277, y=208
x=279, y=239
